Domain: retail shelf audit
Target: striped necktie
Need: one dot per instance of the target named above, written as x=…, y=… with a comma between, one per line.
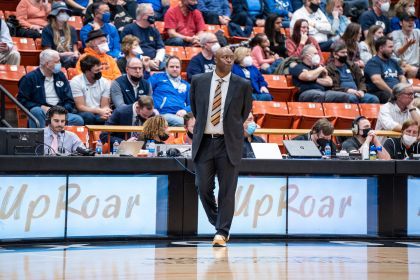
x=217, y=104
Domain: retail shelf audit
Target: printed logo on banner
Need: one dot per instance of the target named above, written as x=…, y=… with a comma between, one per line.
x=413, y=206
x=32, y=206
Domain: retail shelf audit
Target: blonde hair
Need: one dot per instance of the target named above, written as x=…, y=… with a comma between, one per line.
x=330, y=5
x=61, y=46
x=240, y=54
x=127, y=44
x=401, y=5
x=369, y=38
x=154, y=127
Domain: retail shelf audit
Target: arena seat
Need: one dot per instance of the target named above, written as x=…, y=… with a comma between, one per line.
x=271, y=114
x=326, y=56
x=344, y=113
x=190, y=52
x=71, y=73
x=28, y=52
x=257, y=29
x=81, y=131
x=306, y=113
x=370, y=111
x=279, y=87
x=160, y=26
x=76, y=22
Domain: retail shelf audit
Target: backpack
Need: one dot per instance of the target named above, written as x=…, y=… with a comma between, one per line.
x=284, y=67
x=13, y=25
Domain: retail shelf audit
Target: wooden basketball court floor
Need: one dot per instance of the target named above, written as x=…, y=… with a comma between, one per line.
x=198, y=260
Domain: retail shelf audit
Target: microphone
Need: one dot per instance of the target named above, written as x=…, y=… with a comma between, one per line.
x=61, y=149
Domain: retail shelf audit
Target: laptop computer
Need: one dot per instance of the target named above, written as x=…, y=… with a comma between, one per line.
x=130, y=148
x=302, y=149
x=266, y=151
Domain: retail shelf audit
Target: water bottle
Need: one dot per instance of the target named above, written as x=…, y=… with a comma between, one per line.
x=152, y=149
x=115, y=147
x=99, y=147
x=372, y=152
x=327, y=151
x=365, y=151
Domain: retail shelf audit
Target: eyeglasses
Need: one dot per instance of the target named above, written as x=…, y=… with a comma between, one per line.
x=135, y=68
x=409, y=94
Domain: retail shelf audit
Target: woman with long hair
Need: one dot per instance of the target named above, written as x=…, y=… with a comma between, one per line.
x=60, y=36
x=338, y=21
x=300, y=39
x=130, y=47
x=404, y=6
x=351, y=38
x=367, y=47
x=272, y=29
x=264, y=58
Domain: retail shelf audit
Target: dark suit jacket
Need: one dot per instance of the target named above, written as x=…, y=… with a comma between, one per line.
x=236, y=110
x=121, y=116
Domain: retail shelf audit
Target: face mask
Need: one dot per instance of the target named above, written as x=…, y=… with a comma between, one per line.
x=106, y=17
x=151, y=19
x=251, y=128
x=192, y=7
x=411, y=11
x=385, y=7
x=135, y=79
x=215, y=48
x=342, y=59
x=103, y=48
x=164, y=137
x=63, y=17
x=365, y=132
x=247, y=61
x=97, y=76
x=409, y=140
x=57, y=68
x=322, y=142
x=375, y=38
x=137, y=51
x=314, y=7
x=316, y=59
x=189, y=134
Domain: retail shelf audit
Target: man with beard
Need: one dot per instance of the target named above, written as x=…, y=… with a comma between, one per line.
x=186, y=139
x=382, y=72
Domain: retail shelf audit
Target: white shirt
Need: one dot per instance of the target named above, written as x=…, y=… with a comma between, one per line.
x=50, y=94
x=92, y=93
x=210, y=128
x=411, y=55
x=322, y=26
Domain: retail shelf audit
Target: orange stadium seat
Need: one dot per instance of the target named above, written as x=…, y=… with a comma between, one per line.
x=9, y=79
x=192, y=51
x=212, y=27
x=279, y=88
x=415, y=82
x=326, y=56
x=271, y=114
x=307, y=113
x=344, y=113
x=257, y=29
x=76, y=22
x=370, y=111
x=81, y=131
x=9, y=5
x=160, y=26
x=71, y=72
x=28, y=51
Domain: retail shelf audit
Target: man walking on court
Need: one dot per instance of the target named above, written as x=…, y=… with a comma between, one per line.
x=220, y=102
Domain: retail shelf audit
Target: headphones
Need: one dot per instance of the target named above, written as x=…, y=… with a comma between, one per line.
x=54, y=110
x=355, y=124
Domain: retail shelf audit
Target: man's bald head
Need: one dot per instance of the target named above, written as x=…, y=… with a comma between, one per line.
x=224, y=61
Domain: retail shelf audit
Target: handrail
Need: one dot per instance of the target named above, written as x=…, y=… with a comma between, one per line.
x=4, y=92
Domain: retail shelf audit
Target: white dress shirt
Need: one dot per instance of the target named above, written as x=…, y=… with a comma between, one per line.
x=210, y=128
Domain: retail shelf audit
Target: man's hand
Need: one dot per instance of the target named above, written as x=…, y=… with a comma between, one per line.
x=3, y=47
x=45, y=108
x=181, y=113
x=264, y=89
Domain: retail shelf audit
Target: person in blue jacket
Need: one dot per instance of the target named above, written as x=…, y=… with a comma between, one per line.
x=171, y=94
x=282, y=8
x=215, y=11
x=404, y=6
x=243, y=67
x=101, y=20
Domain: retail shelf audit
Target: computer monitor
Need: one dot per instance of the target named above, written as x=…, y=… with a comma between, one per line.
x=21, y=141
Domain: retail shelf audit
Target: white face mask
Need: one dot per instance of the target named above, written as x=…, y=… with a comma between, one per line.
x=409, y=140
x=63, y=17
x=411, y=11
x=215, y=47
x=103, y=48
x=316, y=60
x=137, y=50
x=385, y=7
x=247, y=61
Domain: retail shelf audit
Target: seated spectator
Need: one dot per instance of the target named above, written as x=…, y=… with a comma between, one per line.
x=91, y=92
x=126, y=89
x=32, y=17
x=262, y=57
x=249, y=12
x=382, y=72
x=171, y=94
x=367, y=47
x=319, y=26
x=321, y=134
x=312, y=79
x=45, y=87
x=97, y=46
x=404, y=6
x=243, y=67
x=184, y=24
x=399, y=109
x=151, y=41
x=204, y=61
x=119, y=13
x=376, y=16
x=407, y=145
x=215, y=11
x=56, y=139
x=189, y=123
x=101, y=20
x=155, y=129
x=159, y=7
x=134, y=114
x=337, y=19
x=363, y=135
x=282, y=8
x=406, y=46
x=300, y=38
x=272, y=29
x=249, y=128
x=8, y=52
x=347, y=76
x=60, y=36
x=78, y=7
x=351, y=39
x=131, y=49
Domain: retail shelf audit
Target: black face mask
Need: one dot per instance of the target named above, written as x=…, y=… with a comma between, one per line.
x=192, y=7
x=135, y=79
x=190, y=135
x=342, y=59
x=322, y=142
x=314, y=7
x=97, y=76
x=164, y=137
x=365, y=132
x=151, y=19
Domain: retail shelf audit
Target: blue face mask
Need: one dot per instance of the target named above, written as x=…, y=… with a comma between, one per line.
x=106, y=17
x=57, y=68
x=251, y=128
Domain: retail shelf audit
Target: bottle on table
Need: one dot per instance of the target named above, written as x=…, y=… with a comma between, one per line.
x=99, y=147
x=365, y=151
x=372, y=152
x=115, y=147
x=152, y=149
x=327, y=151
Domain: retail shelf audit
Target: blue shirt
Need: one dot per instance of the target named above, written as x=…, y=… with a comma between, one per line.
x=156, y=4
x=303, y=85
x=346, y=78
x=369, y=18
x=83, y=3
x=111, y=35
x=167, y=98
x=388, y=69
x=48, y=38
x=220, y=7
x=395, y=24
x=280, y=7
x=150, y=40
x=255, y=76
x=254, y=7
x=198, y=65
